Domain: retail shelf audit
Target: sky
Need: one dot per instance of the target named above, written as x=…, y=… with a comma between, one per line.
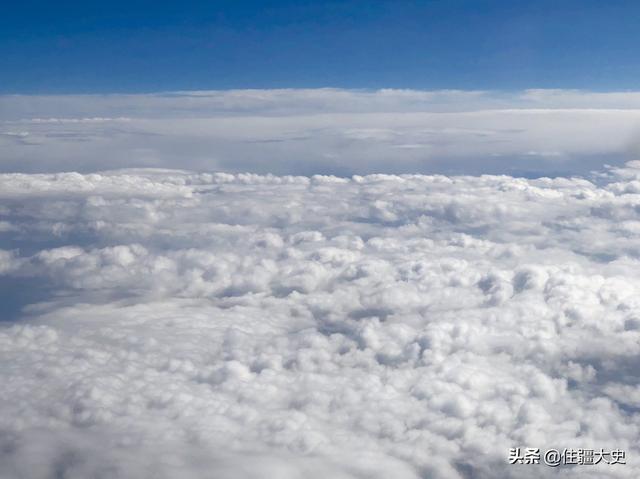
x=300, y=87
x=141, y=46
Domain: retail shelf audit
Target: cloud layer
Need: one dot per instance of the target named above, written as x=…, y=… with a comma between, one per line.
x=323, y=131
x=162, y=323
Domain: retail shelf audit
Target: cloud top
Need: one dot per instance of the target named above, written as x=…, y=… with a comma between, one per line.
x=163, y=323
x=323, y=131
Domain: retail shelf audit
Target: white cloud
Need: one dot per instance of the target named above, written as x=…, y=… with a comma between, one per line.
x=163, y=323
x=322, y=131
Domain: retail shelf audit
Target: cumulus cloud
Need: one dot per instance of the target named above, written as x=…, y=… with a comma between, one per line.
x=166, y=323
x=323, y=131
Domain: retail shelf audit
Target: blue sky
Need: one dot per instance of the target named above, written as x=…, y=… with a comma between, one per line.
x=136, y=46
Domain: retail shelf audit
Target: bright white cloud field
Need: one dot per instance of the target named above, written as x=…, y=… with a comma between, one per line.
x=168, y=324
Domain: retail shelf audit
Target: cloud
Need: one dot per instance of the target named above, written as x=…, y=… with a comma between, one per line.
x=323, y=131
x=167, y=323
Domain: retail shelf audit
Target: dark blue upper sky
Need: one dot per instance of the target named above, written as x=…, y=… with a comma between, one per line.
x=142, y=46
